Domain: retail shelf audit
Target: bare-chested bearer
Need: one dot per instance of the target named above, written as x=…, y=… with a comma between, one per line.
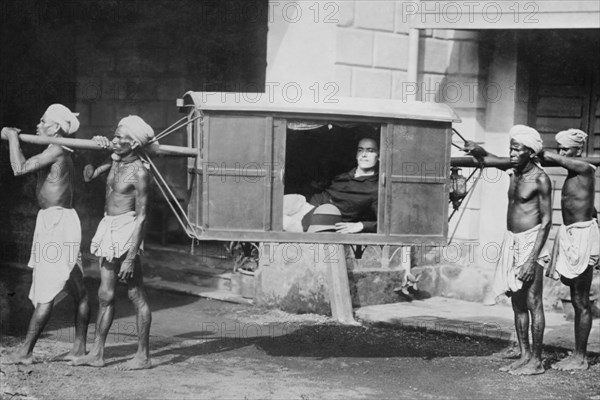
x=57, y=235
x=120, y=235
x=576, y=246
x=519, y=271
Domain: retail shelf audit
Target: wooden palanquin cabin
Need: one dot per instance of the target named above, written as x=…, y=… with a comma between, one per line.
x=252, y=150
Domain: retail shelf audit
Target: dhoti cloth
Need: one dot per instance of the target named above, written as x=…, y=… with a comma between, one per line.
x=576, y=247
x=516, y=249
x=113, y=237
x=54, y=253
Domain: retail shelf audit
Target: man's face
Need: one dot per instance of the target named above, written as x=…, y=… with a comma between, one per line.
x=569, y=151
x=367, y=154
x=46, y=127
x=122, y=142
x=520, y=155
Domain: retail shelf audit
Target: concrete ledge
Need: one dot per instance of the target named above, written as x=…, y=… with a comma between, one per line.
x=194, y=290
x=473, y=319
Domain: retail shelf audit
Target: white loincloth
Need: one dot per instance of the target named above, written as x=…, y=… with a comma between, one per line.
x=516, y=249
x=295, y=207
x=54, y=252
x=578, y=247
x=113, y=236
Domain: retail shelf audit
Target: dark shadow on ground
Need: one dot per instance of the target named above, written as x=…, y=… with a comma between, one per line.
x=323, y=342
x=319, y=342
x=16, y=282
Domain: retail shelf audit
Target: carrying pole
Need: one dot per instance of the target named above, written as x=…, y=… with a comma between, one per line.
x=504, y=162
x=88, y=144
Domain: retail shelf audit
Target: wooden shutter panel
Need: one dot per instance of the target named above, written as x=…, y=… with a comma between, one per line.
x=237, y=172
x=417, y=187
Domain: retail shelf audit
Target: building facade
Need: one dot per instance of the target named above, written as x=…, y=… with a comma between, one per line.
x=496, y=63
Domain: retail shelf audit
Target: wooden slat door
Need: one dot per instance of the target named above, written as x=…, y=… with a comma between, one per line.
x=238, y=172
x=564, y=69
x=417, y=180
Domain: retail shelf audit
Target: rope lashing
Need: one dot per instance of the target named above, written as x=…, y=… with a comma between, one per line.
x=161, y=183
x=459, y=135
x=174, y=127
x=466, y=201
x=171, y=199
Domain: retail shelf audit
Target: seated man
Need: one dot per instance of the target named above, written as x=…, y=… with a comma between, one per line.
x=353, y=193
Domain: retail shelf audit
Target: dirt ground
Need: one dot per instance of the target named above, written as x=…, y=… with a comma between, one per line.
x=203, y=349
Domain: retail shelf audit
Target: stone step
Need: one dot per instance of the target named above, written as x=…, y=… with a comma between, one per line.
x=208, y=268
x=195, y=290
x=196, y=276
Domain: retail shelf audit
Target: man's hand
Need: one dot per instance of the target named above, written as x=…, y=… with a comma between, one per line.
x=349, y=227
x=9, y=132
x=527, y=272
x=126, y=271
x=102, y=141
x=541, y=154
x=474, y=149
x=88, y=172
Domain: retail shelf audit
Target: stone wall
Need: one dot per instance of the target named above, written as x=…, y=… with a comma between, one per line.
x=295, y=277
x=109, y=59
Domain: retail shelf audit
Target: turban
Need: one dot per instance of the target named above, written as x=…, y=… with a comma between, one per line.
x=571, y=138
x=527, y=136
x=61, y=115
x=139, y=130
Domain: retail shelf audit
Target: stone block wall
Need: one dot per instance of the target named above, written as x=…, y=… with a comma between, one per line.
x=295, y=276
x=109, y=59
x=372, y=61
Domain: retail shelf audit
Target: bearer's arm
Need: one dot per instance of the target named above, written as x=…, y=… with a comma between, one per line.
x=141, y=185
x=487, y=158
x=21, y=165
x=572, y=164
x=544, y=189
x=89, y=172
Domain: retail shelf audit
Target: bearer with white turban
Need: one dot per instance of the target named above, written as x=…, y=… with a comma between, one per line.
x=120, y=234
x=571, y=139
x=55, y=257
x=527, y=136
x=519, y=270
x=132, y=133
x=63, y=117
x=577, y=244
x=138, y=129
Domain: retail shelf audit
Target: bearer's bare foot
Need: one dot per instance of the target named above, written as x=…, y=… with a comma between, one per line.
x=89, y=360
x=510, y=353
x=17, y=357
x=73, y=355
x=572, y=363
x=533, y=367
x=515, y=365
x=134, y=364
